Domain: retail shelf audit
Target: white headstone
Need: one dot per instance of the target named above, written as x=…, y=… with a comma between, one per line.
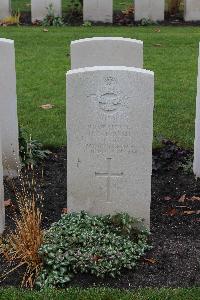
x=8, y=108
x=192, y=10
x=106, y=51
x=4, y=8
x=2, y=209
x=149, y=9
x=39, y=8
x=98, y=11
x=196, y=165
x=110, y=131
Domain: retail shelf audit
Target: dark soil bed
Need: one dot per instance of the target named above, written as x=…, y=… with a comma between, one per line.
x=174, y=260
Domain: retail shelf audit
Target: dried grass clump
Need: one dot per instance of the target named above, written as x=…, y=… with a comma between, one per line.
x=11, y=20
x=20, y=247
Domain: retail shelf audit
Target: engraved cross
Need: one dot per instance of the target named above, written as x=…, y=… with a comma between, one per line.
x=108, y=175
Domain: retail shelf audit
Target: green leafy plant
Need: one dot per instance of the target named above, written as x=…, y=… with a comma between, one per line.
x=87, y=24
x=30, y=151
x=51, y=19
x=147, y=21
x=99, y=245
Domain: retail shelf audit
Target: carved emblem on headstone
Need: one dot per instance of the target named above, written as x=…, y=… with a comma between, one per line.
x=109, y=102
x=110, y=99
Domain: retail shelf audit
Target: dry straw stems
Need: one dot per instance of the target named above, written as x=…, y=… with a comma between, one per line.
x=20, y=247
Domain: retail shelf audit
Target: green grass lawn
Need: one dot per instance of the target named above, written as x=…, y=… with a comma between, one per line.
x=43, y=58
x=24, y=5
x=102, y=294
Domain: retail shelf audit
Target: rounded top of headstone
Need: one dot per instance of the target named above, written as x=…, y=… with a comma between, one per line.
x=3, y=40
x=107, y=39
x=110, y=68
x=106, y=51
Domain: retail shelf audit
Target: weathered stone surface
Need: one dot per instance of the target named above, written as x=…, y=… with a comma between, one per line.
x=106, y=51
x=149, y=9
x=2, y=210
x=8, y=108
x=98, y=10
x=4, y=8
x=196, y=165
x=110, y=131
x=192, y=10
x=39, y=8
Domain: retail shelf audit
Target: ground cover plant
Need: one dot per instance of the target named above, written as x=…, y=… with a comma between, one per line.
x=41, y=77
x=98, y=245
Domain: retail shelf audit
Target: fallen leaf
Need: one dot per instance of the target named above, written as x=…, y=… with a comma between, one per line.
x=167, y=198
x=189, y=212
x=194, y=198
x=182, y=199
x=171, y=212
x=7, y=202
x=65, y=210
x=150, y=260
x=157, y=30
x=96, y=258
x=47, y=106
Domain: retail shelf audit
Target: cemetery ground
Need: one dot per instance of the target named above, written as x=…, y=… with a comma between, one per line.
x=42, y=57
x=174, y=259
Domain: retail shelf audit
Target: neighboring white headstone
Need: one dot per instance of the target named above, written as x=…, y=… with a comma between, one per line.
x=4, y=8
x=196, y=165
x=192, y=10
x=149, y=9
x=2, y=209
x=8, y=108
x=110, y=131
x=39, y=8
x=106, y=51
x=98, y=11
